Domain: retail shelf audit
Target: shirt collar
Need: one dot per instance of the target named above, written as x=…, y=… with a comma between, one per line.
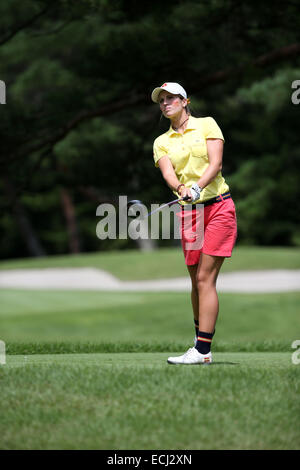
x=191, y=125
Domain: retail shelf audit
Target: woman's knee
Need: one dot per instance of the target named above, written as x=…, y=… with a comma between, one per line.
x=193, y=275
x=204, y=280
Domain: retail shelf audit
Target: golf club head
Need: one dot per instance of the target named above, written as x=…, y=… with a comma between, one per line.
x=138, y=202
x=134, y=201
x=130, y=204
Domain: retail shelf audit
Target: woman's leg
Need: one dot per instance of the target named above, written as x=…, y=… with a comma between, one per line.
x=207, y=273
x=194, y=292
x=205, y=306
x=204, y=277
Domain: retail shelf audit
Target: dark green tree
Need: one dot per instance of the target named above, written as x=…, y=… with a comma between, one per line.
x=78, y=126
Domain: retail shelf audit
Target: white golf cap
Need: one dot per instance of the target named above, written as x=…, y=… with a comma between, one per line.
x=171, y=87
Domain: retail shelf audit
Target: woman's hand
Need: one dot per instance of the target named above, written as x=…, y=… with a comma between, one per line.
x=184, y=191
x=193, y=193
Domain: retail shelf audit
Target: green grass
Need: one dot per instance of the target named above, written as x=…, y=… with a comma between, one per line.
x=87, y=370
x=145, y=317
x=137, y=401
x=162, y=263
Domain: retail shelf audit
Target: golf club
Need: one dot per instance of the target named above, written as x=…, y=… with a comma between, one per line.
x=167, y=204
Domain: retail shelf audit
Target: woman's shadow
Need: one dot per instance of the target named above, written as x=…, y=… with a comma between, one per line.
x=220, y=363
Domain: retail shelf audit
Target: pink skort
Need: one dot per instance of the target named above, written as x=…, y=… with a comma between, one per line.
x=218, y=226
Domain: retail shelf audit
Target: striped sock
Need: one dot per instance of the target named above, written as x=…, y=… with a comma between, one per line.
x=204, y=342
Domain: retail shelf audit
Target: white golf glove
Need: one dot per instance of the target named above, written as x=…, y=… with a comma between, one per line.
x=195, y=190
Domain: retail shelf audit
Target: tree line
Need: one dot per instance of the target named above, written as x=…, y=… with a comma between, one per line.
x=78, y=124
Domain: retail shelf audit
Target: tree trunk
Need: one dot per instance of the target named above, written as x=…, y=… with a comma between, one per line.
x=69, y=213
x=27, y=231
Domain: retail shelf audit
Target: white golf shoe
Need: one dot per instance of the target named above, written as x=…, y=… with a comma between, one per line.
x=192, y=356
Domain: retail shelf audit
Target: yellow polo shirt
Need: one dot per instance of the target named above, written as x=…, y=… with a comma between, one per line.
x=188, y=154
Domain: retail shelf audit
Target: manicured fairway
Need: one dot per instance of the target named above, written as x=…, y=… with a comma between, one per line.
x=72, y=316
x=150, y=360
x=138, y=401
x=88, y=370
x=162, y=263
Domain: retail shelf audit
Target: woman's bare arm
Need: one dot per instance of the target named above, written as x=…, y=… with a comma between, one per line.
x=215, y=158
x=168, y=172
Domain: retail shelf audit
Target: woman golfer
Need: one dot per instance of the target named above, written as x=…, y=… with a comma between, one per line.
x=189, y=156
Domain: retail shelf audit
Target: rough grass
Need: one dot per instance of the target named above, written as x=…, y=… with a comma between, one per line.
x=68, y=347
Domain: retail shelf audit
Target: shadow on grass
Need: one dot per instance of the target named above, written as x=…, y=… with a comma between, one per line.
x=217, y=363
x=224, y=363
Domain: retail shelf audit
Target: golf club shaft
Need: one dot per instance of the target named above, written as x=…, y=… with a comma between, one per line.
x=168, y=204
